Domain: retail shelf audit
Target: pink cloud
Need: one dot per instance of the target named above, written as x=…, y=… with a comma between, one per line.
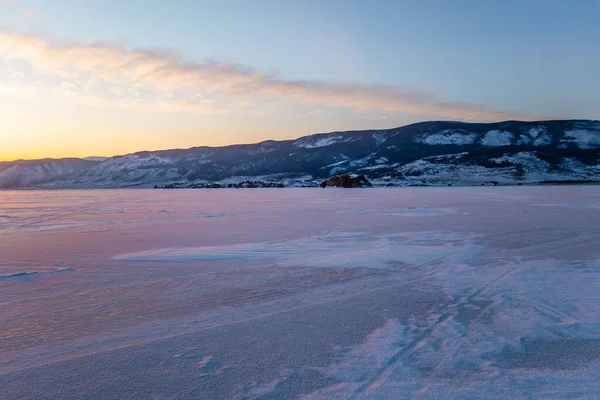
x=178, y=84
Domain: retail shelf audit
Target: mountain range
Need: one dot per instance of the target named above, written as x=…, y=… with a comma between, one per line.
x=425, y=153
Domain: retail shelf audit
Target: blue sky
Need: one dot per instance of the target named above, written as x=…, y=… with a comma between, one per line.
x=251, y=70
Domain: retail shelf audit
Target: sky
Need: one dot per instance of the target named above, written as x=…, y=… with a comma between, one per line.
x=106, y=77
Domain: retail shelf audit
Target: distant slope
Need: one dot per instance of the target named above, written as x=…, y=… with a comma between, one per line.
x=434, y=153
x=32, y=173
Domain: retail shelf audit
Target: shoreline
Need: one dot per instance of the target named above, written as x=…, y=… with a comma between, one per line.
x=281, y=186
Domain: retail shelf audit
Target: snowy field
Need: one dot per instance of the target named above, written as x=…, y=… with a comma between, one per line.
x=425, y=293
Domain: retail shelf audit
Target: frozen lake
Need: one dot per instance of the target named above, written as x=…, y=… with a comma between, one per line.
x=395, y=293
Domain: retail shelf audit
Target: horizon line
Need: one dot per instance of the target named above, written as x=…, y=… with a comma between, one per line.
x=86, y=158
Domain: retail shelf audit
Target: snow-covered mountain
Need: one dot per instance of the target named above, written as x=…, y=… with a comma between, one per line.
x=32, y=173
x=431, y=153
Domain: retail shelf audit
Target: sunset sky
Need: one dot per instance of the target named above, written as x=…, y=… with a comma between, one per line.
x=106, y=77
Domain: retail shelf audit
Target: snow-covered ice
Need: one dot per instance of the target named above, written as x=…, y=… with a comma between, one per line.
x=484, y=292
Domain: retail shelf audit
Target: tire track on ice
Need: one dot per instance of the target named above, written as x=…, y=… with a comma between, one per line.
x=384, y=373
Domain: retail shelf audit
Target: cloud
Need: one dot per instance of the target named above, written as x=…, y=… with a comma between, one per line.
x=5, y=3
x=12, y=74
x=169, y=81
x=68, y=85
x=318, y=112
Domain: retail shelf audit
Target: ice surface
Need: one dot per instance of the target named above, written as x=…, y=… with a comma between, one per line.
x=319, y=251
x=485, y=292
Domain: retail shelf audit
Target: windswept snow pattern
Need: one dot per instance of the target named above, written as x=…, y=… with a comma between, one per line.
x=433, y=293
x=324, y=250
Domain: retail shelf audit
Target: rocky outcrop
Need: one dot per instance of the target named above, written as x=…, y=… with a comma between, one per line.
x=346, y=181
